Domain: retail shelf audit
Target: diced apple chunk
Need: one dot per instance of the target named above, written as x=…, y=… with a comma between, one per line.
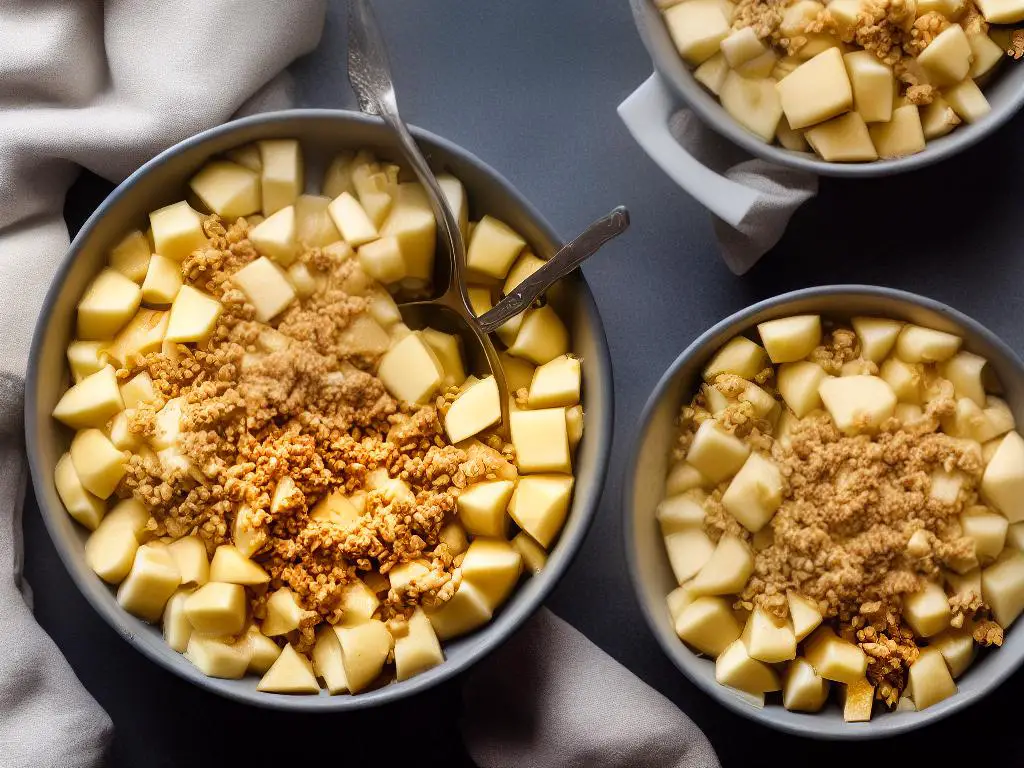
x=715, y=453
x=163, y=281
x=834, y=658
x=735, y=668
x=410, y=370
x=802, y=689
x=292, y=672
x=482, y=508
x=189, y=554
x=542, y=336
x=283, y=613
x=478, y=407
x=988, y=531
x=916, y=344
x=467, y=609
x=412, y=224
x=276, y=236
x=712, y=73
x=217, y=657
x=858, y=403
x=857, y=699
x=739, y=356
x=492, y=566
x=877, y=336
x=843, y=139
x=91, y=402
x=708, y=625
x=789, y=339
x=109, y=302
x=930, y=679
x=927, y=611
x=231, y=566
x=689, y=550
x=741, y=46
x=769, y=638
x=905, y=379
x=217, y=609
x=177, y=231
x=265, y=286
x=193, y=316
x=281, y=176
x=145, y=333
x=804, y=615
x=1002, y=586
x=678, y=513
x=754, y=103
x=535, y=557
x=228, y=189
x=874, y=86
x=957, y=648
x=447, y=348
x=82, y=505
x=964, y=370
x=541, y=440
x=176, y=626
x=110, y=549
x=540, y=504
x=938, y=118
x=1003, y=482
x=754, y=493
x=967, y=101
x=493, y=248
x=798, y=384
x=418, y=649
x=351, y=220
x=728, y=568
x=556, y=383
x=697, y=28
x=327, y=663
x=902, y=135
x=947, y=58
x=130, y=257
x=364, y=649
x=150, y=583
x=313, y=225
x=86, y=357
x=683, y=477
x=817, y=90
x=358, y=604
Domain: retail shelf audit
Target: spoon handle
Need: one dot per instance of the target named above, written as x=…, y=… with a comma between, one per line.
x=571, y=255
x=370, y=74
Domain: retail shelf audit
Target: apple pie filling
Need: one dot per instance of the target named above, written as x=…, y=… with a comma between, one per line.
x=300, y=486
x=844, y=510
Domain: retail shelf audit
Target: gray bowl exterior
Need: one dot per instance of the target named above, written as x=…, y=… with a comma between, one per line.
x=1005, y=93
x=163, y=180
x=645, y=482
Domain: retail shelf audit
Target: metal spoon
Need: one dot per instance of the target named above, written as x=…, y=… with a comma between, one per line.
x=370, y=75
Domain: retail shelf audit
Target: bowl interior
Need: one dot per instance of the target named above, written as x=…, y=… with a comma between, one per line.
x=1005, y=92
x=645, y=552
x=164, y=180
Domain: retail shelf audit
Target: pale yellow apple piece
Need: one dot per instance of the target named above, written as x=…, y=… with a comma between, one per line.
x=1002, y=586
x=152, y=580
x=697, y=29
x=574, y=425
x=144, y=333
x=120, y=434
x=227, y=189
x=735, y=668
x=168, y=424
x=957, y=648
x=968, y=101
x=82, y=505
x=802, y=689
x=364, y=336
x=858, y=697
x=109, y=302
x=930, y=679
x=130, y=257
x=478, y=407
x=231, y=566
x=741, y=46
x=998, y=416
x=834, y=658
x=535, y=557
x=817, y=90
x=542, y=336
x=189, y=553
x=540, y=505
x=338, y=176
x=739, y=356
x=987, y=529
x=927, y=611
x=493, y=248
x=458, y=201
x=1002, y=11
x=908, y=413
x=680, y=598
x=382, y=260
x=410, y=370
x=678, y=513
x=86, y=357
x=327, y=662
x=985, y=52
x=263, y=651
x=872, y=82
x=454, y=537
x=540, y=439
x=789, y=339
x=798, y=15
x=351, y=220
x=448, y=350
x=843, y=139
x=905, y=379
x=219, y=657
x=364, y=649
x=508, y=332
x=110, y=549
x=798, y=384
x=754, y=493
x=556, y=383
x=217, y=609
x=403, y=575
x=305, y=282
x=947, y=58
x=902, y=135
x=938, y=118
x=683, y=477
x=177, y=231
x=769, y=638
x=418, y=649
x=336, y=508
x=708, y=625
x=265, y=286
x=689, y=550
x=964, y=370
x=480, y=300
x=493, y=567
x=467, y=609
x=712, y=73
x=292, y=672
x=858, y=403
x=1002, y=484
x=277, y=236
x=964, y=583
x=313, y=225
x=98, y=463
x=137, y=390
x=789, y=138
x=482, y=508
x=412, y=224
x=177, y=628
x=877, y=336
x=916, y=344
x=715, y=453
x=728, y=568
x=284, y=614
x=193, y=315
x=281, y=176
x=754, y=103
x=358, y=604
x=525, y=266
x=804, y=615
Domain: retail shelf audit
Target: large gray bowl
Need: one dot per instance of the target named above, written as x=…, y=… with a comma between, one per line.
x=163, y=180
x=1005, y=93
x=645, y=483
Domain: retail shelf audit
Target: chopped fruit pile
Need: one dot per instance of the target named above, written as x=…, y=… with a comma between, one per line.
x=845, y=509
x=300, y=486
x=852, y=80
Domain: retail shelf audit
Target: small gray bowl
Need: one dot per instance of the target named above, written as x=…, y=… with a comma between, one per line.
x=645, y=482
x=163, y=180
x=1005, y=93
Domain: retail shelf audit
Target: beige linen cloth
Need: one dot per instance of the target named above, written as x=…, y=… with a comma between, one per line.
x=105, y=86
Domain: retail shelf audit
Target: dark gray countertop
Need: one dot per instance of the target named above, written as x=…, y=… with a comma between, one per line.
x=531, y=87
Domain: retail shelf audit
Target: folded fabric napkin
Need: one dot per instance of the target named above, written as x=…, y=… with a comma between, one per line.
x=106, y=87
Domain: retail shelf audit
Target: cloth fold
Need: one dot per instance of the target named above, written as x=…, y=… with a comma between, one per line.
x=781, y=191
x=104, y=86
